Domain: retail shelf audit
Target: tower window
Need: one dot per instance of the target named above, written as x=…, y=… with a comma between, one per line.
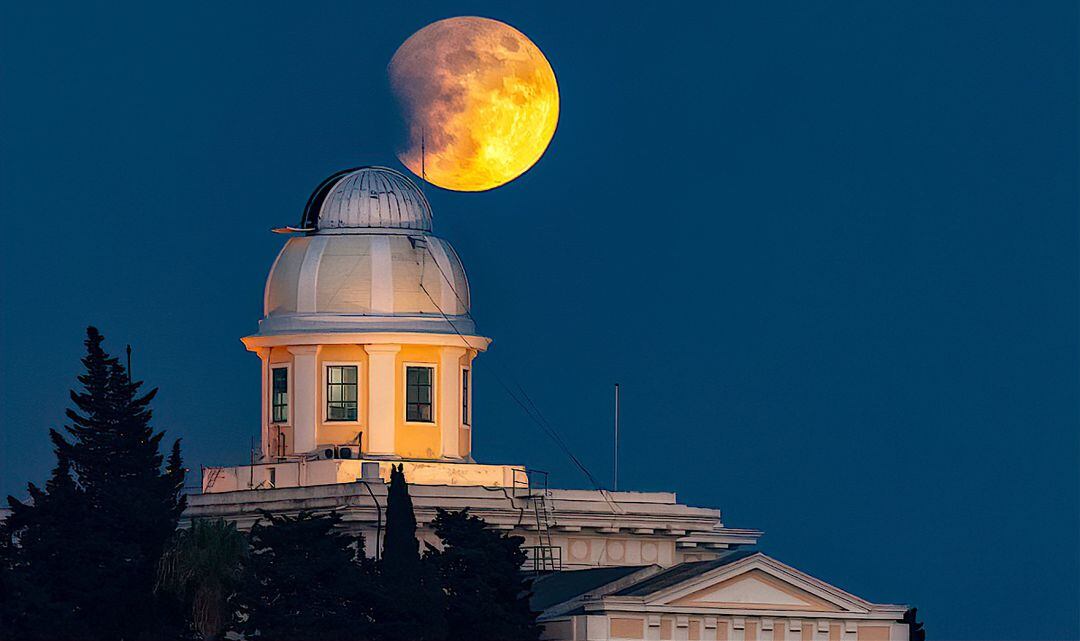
x=418, y=393
x=465, y=418
x=341, y=393
x=279, y=395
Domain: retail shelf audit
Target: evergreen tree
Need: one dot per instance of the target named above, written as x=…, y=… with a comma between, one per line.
x=410, y=607
x=915, y=629
x=43, y=592
x=401, y=549
x=487, y=594
x=306, y=581
x=105, y=516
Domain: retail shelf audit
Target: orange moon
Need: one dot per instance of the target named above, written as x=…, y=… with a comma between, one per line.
x=479, y=100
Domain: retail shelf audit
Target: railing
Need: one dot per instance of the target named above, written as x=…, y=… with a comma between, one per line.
x=543, y=558
x=528, y=483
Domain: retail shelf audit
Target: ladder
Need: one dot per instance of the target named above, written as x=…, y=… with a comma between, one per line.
x=215, y=472
x=531, y=486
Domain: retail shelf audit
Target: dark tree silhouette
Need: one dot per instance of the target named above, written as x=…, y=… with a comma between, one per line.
x=410, y=607
x=915, y=629
x=105, y=516
x=487, y=594
x=306, y=581
x=43, y=592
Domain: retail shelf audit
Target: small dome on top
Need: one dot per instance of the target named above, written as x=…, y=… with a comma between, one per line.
x=367, y=197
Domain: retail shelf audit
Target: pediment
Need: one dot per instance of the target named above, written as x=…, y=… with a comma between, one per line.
x=756, y=590
x=757, y=582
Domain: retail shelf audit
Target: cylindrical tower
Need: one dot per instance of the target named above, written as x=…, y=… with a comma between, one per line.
x=366, y=343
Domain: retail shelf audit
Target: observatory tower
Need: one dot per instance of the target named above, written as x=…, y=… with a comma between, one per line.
x=366, y=343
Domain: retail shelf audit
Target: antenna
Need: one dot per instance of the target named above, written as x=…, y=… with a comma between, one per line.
x=129, y=364
x=423, y=155
x=616, y=480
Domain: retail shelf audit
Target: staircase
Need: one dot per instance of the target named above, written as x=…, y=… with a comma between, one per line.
x=531, y=487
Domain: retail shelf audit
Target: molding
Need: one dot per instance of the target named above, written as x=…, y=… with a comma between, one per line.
x=297, y=341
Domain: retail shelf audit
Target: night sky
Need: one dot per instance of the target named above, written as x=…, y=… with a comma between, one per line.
x=828, y=249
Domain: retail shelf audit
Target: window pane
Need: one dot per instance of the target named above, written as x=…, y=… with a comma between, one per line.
x=418, y=393
x=341, y=390
x=279, y=395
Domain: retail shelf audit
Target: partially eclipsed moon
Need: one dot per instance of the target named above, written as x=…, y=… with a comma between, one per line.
x=479, y=99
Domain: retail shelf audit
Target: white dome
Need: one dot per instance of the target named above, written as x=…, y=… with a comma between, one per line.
x=366, y=282
x=368, y=197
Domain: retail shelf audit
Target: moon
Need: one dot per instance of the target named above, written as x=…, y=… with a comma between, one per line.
x=479, y=101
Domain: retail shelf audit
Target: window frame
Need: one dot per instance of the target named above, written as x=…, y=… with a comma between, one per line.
x=405, y=392
x=288, y=392
x=466, y=396
x=326, y=365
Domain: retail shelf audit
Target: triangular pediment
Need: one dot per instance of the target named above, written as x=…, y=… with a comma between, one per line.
x=756, y=590
x=756, y=582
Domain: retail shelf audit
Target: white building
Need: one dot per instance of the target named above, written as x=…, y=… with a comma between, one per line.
x=367, y=347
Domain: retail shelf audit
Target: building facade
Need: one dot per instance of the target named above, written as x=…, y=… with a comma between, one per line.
x=367, y=347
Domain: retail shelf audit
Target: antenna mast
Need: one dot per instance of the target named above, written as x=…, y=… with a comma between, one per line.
x=616, y=480
x=423, y=155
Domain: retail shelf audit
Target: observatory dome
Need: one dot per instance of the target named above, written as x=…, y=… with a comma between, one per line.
x=366, y=262
x=366, y=198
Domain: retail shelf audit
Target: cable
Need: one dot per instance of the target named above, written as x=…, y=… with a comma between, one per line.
x=528, y=406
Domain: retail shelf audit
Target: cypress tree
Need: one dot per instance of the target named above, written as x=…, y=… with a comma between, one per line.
x=410, y=607
x=487, y=594
x=401, y=550
x=112, y=507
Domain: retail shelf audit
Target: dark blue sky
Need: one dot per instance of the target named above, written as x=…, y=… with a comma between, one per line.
x=829, y=250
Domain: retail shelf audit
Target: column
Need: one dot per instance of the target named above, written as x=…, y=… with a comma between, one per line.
x=382, y=380
x=448, y=397
x=264, y=414
x=305, y=383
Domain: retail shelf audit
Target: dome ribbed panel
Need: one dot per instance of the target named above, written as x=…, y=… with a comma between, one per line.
x=375, y=197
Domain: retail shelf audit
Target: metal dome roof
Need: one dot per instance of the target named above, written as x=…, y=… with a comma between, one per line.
x=367, y=197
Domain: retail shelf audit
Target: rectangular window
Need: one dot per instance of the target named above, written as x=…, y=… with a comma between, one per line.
x=279, y=395
x=465, y=418
x=341, y=392
x=418, y=394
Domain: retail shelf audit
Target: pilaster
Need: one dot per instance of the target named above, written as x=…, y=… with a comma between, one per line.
x=449, y=395
x=305, y=397
x=382, y=378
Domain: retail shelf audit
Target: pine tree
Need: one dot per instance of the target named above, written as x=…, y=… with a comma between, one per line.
x=410, y=607
x=306, y=581
x=43, y=592
x=105, y=516
x=487, y=594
